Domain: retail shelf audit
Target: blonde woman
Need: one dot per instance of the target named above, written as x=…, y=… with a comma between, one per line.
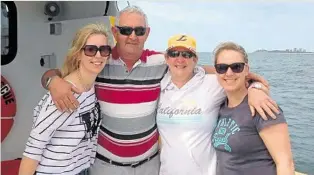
x=246, y=145
x=65, y=142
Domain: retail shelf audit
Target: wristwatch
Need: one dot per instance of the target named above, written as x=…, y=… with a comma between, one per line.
x=256, y=85
x=49, y=81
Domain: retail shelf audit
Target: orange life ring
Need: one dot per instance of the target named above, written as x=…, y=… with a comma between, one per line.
x=8, y=107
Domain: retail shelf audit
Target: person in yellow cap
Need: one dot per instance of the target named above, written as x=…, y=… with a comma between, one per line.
x=187, y=111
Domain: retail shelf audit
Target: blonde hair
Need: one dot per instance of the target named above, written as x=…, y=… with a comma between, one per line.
x=230, y=46
x=72, y=61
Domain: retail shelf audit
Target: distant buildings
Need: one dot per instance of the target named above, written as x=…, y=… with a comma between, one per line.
x=294, y=50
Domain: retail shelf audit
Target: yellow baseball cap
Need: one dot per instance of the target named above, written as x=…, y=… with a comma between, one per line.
x=182, y=40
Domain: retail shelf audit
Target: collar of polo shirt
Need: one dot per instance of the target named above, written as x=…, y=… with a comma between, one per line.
x=115, y=55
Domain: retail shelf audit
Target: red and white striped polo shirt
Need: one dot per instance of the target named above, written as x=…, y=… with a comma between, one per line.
x=128, y=101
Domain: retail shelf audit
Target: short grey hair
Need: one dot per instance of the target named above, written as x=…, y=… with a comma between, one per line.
x=230, y=46
x=131, y=9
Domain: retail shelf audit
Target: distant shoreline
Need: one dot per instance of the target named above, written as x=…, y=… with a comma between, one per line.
x=280, y=51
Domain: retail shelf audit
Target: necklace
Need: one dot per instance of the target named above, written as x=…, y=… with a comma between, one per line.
x=85, y=86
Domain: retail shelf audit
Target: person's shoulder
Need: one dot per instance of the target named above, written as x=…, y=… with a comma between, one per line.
x=149, y=52
x=208, y=76
x=153, y=57
x=261, y=123
x=212, y=80
x=212, y=77
x=44, y=103
x=45, y=100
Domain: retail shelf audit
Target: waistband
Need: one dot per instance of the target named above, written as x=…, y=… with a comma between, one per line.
x=133, y=165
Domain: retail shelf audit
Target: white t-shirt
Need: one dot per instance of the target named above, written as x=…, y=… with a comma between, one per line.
x=186, y=118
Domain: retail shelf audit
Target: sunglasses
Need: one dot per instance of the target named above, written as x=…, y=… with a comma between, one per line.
x=125, y=30
x=184, y=54
x=91, y=50
x=235, y=67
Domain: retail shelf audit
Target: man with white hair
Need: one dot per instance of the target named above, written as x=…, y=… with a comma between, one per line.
x=127, y=89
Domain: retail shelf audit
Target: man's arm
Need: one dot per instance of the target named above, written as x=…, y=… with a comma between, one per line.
x=49, y=74
x=209, y=69
x=61, y=90
x=259, y=99
x=254, y=77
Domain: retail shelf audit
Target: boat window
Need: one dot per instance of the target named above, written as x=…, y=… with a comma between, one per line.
x=8, y=32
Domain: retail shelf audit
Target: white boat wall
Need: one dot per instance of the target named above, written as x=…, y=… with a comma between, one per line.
x=44, y=31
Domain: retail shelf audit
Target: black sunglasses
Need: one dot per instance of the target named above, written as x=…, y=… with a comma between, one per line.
x=125, y=30
x=235, y=67
x=91, y=50
x=184, y=54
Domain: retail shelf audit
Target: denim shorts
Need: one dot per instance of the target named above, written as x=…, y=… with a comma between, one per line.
x=84, y=172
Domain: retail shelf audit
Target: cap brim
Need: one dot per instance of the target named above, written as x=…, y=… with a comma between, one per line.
x=182, y=46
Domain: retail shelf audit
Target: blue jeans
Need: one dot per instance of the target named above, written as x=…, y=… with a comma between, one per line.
x=84, y=172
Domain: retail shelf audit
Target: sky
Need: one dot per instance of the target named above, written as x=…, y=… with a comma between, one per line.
x=254, y=25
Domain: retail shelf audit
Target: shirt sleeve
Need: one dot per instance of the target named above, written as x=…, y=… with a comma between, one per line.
x=260, y=123
x=47, y=119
